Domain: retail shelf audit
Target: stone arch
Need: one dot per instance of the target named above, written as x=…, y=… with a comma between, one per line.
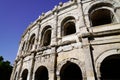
x=24, y=74
x=101, y=16
x=74, y=61
x=102, y=58
x=41, y=73
x=68, y=26
x=46, y=36
x=98, y=4
x=99, y=8
x=70, y=71
x=31, y=41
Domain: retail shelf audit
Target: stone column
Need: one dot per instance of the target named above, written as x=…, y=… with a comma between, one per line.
x=88, y=60
x=118, y=14
x=54, y=29
x=55, y=62
x=55, y=42
x=27, y=42
x=58, y=77
x=38, y=40
x=33, y=54
x=32, y=66
x=19, y=72
x=19, y=49
x=13, y=71
x=39, y=36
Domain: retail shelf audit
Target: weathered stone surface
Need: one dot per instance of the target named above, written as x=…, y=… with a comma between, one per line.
x=78, y=35
x=67, y=48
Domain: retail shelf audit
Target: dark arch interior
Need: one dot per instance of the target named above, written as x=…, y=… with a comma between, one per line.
x=32, y=41
x=47, y=38
x=101, y=17
x=41, y=73
x=25, y=74
x=69, y=28
x=110, y=68
x=70, y=71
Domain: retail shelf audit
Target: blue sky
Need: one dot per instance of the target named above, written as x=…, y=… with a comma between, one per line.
x=15, y=16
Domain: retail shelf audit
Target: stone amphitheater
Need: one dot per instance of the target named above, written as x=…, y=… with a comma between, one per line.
x=76, y=40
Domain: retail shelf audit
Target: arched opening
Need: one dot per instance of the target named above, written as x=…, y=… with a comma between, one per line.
x=70, y=71
x=46, y=36
x=101, y=17
x=110, y=68
x=41, y=73
x=24, y=74
x=31, y=41
x=68, y=26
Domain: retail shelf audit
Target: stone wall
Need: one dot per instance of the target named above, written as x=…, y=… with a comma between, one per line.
x=51, y=48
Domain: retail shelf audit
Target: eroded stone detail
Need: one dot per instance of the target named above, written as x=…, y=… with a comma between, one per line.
x=49, y=46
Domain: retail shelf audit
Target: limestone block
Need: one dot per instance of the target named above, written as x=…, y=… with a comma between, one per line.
x=67, y=48
x=60, y=49
x=77, y=45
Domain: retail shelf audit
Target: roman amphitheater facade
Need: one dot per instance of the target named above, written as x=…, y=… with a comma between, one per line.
x=77, y=40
